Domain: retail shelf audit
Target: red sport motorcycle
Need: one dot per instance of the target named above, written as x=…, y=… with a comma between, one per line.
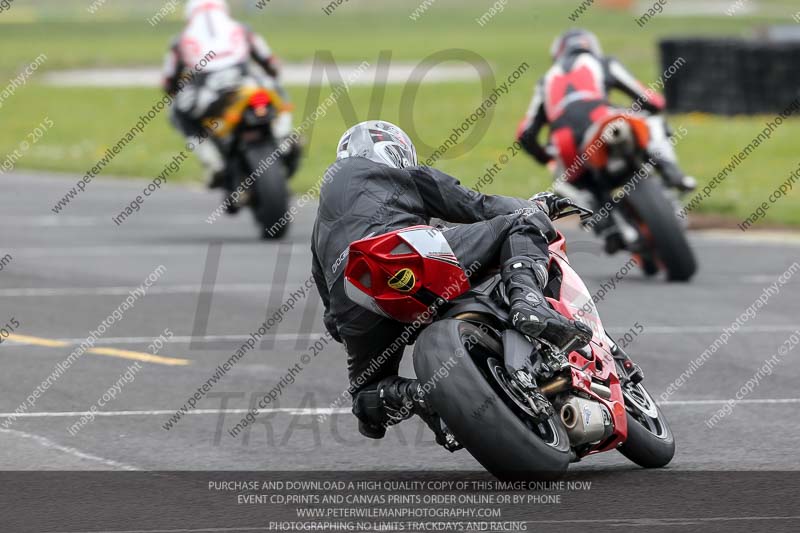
x=481, y=376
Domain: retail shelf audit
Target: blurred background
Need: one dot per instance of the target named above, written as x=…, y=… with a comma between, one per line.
x=92, y=107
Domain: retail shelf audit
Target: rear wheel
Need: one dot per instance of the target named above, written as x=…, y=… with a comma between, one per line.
x=479, y=404
x=650, y=442
x=271, y=200
x=662, y=230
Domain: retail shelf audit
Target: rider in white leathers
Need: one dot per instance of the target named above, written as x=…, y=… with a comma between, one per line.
x=211, y=57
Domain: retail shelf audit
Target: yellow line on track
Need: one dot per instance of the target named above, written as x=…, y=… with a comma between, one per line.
x=109, y=352
x=36, y=341
x=139, y=356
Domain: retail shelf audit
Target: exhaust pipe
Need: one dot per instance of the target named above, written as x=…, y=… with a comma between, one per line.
x=554, y=387
x=585, y=420
x=600, y=390
x=569, y=416
x=562, y=383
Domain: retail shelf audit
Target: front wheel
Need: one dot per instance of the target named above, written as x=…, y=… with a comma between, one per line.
x=650, y=443
x=271, y=201
x=460, y=366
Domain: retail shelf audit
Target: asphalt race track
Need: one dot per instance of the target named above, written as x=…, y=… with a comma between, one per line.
x=68, y=272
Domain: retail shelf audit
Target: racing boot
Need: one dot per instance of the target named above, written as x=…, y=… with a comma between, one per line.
x=403, y=397
x=530, y=314
x=603, y=226
x=391, y=401
x=216, y=180
x=613, y=241
x=396, y=399
x=211, y=159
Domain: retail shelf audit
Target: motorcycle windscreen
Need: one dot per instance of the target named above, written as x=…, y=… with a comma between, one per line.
x=578, y=300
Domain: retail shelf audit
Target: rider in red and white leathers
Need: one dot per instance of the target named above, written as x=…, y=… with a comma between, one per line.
x=573, y=95
x=210, y=58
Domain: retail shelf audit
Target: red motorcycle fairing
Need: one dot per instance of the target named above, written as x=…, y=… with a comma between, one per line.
x=575, y=302
x=401, y=274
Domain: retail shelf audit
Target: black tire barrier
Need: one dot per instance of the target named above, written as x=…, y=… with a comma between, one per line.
x=728, y=76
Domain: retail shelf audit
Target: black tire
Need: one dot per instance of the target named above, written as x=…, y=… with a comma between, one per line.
x=483, y=419
x=271, y=201
x=667, y=236
x=650, y=442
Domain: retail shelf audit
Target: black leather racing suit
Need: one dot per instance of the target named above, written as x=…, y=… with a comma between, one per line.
x=359, y=198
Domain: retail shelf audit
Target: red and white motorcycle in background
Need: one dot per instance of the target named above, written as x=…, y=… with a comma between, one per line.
x=638, y=204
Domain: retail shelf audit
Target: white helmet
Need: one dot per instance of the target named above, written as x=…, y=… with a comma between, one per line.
x=379, y=141
x=194, y=6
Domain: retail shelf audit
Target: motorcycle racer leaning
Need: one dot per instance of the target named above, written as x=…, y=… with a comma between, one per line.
x=572, y=96
x=220, y=50
x=376, y=186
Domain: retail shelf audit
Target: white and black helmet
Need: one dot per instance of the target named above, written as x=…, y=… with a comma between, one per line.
x=378, y=141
